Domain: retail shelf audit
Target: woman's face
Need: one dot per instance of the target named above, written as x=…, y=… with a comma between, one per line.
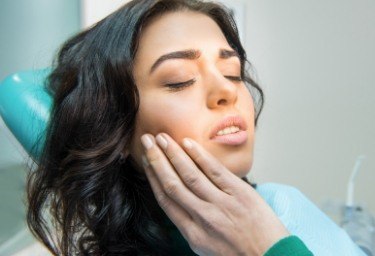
x=188, y=81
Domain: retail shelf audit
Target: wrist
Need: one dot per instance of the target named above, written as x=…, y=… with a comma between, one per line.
x=267, y=236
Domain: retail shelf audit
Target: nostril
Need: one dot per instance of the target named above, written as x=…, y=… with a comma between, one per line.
x=222, y=102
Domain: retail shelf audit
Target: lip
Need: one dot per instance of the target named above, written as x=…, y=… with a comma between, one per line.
x=237, y=138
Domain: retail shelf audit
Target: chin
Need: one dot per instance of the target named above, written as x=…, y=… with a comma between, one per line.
x=238, y=168
x=238, y=162
x=241, y=173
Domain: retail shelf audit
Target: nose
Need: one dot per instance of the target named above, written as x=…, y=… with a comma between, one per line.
x=221, y=92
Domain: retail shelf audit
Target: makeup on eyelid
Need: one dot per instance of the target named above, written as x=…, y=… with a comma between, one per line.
x=180, y=85
x=179, y=81
x=182, y=70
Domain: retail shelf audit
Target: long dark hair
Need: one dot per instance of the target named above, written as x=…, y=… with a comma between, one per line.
x=97, y=202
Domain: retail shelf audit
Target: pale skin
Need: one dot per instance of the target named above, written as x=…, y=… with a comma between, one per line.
x=196, y=180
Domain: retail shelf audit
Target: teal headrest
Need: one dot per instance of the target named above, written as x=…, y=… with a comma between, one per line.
x=25, y=108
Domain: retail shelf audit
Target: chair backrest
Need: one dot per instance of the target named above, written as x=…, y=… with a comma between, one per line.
x=25, y=107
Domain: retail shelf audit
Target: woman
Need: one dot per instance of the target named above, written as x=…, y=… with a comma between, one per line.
x=154, y=100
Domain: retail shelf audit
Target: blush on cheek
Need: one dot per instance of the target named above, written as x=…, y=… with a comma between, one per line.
x=175, y=124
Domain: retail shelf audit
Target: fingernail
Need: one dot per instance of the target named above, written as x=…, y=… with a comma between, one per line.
x=187, y=143
x=145, y=161
x=147, y=141
x=162, y=141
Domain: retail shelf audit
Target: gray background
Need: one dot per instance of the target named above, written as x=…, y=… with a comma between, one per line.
x=315, y=61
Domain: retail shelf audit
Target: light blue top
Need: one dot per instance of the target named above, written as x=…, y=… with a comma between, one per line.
x=304, y=219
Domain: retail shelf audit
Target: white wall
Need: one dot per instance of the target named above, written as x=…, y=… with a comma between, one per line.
x=94, y=10
x=315, y=61
x=32, y=31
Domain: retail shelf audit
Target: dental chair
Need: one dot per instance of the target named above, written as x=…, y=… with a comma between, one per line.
x=25, y=106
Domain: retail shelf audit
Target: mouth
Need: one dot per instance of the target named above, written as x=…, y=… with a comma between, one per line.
x=230, y=130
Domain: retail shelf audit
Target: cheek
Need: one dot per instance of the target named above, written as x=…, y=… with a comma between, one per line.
x=164, y=114
x=171, y=116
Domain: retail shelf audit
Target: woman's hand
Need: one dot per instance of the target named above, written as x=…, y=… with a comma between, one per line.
x=216, y=211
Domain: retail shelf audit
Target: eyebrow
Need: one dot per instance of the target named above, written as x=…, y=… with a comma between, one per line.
x=191, y=55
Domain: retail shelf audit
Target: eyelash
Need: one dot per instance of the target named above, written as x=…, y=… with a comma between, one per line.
x=181, y=85
x=234, y=78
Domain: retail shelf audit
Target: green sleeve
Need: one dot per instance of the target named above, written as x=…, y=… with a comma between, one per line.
x=289, y=246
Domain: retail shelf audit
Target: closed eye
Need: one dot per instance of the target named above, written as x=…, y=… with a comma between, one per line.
x=234, y=78
x=180, y=85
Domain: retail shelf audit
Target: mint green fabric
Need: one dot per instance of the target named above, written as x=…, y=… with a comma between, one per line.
x=289, y=246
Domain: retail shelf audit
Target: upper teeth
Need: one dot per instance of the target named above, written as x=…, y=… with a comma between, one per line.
x=228, y=130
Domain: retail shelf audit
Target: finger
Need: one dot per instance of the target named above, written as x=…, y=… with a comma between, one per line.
x=175, y=212
x=188, y=227
x=187, y=170
x=169, y=181
x=214, y=170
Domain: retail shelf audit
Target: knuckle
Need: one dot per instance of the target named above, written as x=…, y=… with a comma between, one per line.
x=191, y=181
x=153, y=157
x=198, y=158
x=162, y=199
x=170, y=187
x=209, y=220
x=171, y=153
x=195, y=242
x=209, y=224
x=215, y=170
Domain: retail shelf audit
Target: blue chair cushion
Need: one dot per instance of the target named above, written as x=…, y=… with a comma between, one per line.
x=25, y=106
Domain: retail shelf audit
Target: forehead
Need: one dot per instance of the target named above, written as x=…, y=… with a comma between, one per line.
x=180, y=30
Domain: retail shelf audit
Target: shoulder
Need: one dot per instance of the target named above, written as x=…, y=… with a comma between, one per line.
x=273, y=188
x=279, y=195
x=291, y=205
